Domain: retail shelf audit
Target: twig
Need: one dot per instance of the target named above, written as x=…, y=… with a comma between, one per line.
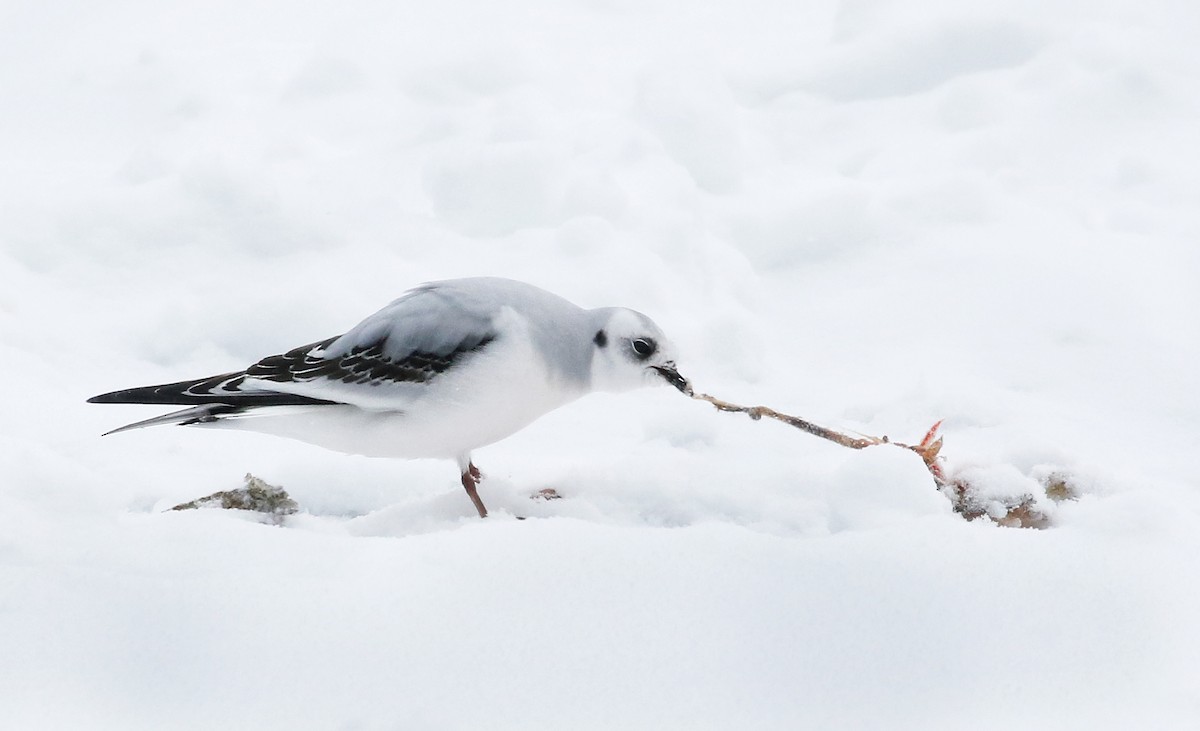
x=758, y=412
x=928, y=448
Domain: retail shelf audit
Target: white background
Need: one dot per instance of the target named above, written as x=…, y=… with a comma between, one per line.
x=872, y=214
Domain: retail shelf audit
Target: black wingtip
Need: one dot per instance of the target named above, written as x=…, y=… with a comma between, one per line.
x=127, y=396
x=198, y=393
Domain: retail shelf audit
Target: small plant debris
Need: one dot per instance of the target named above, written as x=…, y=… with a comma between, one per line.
x=256, y=496
x=1020, y=511
x=1060, y=487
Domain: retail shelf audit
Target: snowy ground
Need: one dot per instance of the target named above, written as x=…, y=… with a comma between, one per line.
x=867, y=214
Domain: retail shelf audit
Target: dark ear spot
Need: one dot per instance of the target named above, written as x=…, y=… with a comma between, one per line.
x=601, y=339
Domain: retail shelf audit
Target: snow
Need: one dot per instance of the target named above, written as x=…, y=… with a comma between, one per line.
x=867, y=213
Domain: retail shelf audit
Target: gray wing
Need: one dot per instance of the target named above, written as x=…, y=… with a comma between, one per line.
x=365, y=363
x=436, y=319
x=394, y=352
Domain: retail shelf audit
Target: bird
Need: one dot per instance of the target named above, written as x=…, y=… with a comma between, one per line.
x=447, y=368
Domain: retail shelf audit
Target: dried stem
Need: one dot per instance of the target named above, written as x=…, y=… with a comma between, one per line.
x=758, y=412
x=928, y=448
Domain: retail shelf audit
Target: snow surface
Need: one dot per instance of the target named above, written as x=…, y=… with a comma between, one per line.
x=869, y=213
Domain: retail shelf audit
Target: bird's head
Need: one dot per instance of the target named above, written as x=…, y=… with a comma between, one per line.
x=629, y=351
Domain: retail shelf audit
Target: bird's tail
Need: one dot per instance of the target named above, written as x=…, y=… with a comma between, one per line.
x=203, y=414
x=210, y=398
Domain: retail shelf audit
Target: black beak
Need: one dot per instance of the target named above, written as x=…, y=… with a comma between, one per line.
x=668, y=372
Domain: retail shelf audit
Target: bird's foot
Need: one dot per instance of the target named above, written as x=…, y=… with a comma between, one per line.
x=470, y=482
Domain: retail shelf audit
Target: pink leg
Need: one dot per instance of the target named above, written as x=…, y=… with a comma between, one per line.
x=470, y=479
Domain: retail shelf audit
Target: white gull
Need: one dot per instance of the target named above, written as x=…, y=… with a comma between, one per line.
x=447, y=368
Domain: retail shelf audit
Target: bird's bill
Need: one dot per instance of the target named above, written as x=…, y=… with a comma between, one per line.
x=672, y=376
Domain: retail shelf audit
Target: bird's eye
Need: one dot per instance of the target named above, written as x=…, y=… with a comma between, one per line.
x=644, y=347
